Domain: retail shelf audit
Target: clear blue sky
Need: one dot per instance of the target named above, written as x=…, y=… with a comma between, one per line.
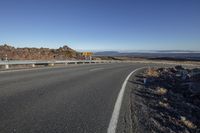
x=101, y=24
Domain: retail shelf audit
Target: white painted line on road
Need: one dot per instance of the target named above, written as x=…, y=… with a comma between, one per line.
x=30, y=69
x=95, y=69
x=115, y=115
x=19, y=70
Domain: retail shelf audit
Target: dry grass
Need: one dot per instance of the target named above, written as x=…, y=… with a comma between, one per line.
x=164, y=104
x=152, y=72
x=187, y=123
x=161, y=91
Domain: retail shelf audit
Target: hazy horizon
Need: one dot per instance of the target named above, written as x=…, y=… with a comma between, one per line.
x=114, y=50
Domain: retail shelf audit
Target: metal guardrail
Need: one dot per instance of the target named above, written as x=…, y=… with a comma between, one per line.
x=33, y=63
x=51, y=63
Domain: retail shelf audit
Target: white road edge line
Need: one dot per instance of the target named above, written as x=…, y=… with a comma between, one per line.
x=27, y=69
x=95, y=69
x=115, y=115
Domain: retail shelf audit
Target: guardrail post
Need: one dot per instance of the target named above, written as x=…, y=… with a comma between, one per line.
x=51, y=64
x=6, y=66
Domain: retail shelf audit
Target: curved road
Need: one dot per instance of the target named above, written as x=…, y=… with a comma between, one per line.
x=76, y=99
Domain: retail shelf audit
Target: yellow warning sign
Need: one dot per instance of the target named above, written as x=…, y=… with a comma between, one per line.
x=87, y=53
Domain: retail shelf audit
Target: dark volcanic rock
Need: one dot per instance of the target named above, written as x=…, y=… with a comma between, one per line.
x=13, y=53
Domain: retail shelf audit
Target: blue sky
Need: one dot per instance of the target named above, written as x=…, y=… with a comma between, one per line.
x=101, y=24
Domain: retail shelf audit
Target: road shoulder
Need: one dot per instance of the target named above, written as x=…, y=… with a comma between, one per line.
x=147, y=108
x=125, y=122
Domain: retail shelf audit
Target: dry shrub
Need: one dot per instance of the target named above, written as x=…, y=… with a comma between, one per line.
x=161, y=91
x=164, y=104
x=187, y=123
x=151, y=72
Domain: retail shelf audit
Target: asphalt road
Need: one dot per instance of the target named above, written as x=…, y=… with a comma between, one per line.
x=78, y=99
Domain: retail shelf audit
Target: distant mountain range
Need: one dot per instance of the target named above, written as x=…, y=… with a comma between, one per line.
x=107, y=53
x=110, y=53
x=174, y=54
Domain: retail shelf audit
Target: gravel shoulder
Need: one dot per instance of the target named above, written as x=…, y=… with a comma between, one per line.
x=158, y=108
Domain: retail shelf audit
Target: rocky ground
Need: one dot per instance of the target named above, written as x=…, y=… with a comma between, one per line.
x=12, y=53
x=166, y=100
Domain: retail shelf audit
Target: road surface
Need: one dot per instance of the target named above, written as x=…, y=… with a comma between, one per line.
x=78, y=99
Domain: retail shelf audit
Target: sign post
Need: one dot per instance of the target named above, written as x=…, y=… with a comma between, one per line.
x=87, y=55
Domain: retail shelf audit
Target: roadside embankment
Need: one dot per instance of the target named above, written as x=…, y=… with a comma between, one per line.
x=164, y=100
